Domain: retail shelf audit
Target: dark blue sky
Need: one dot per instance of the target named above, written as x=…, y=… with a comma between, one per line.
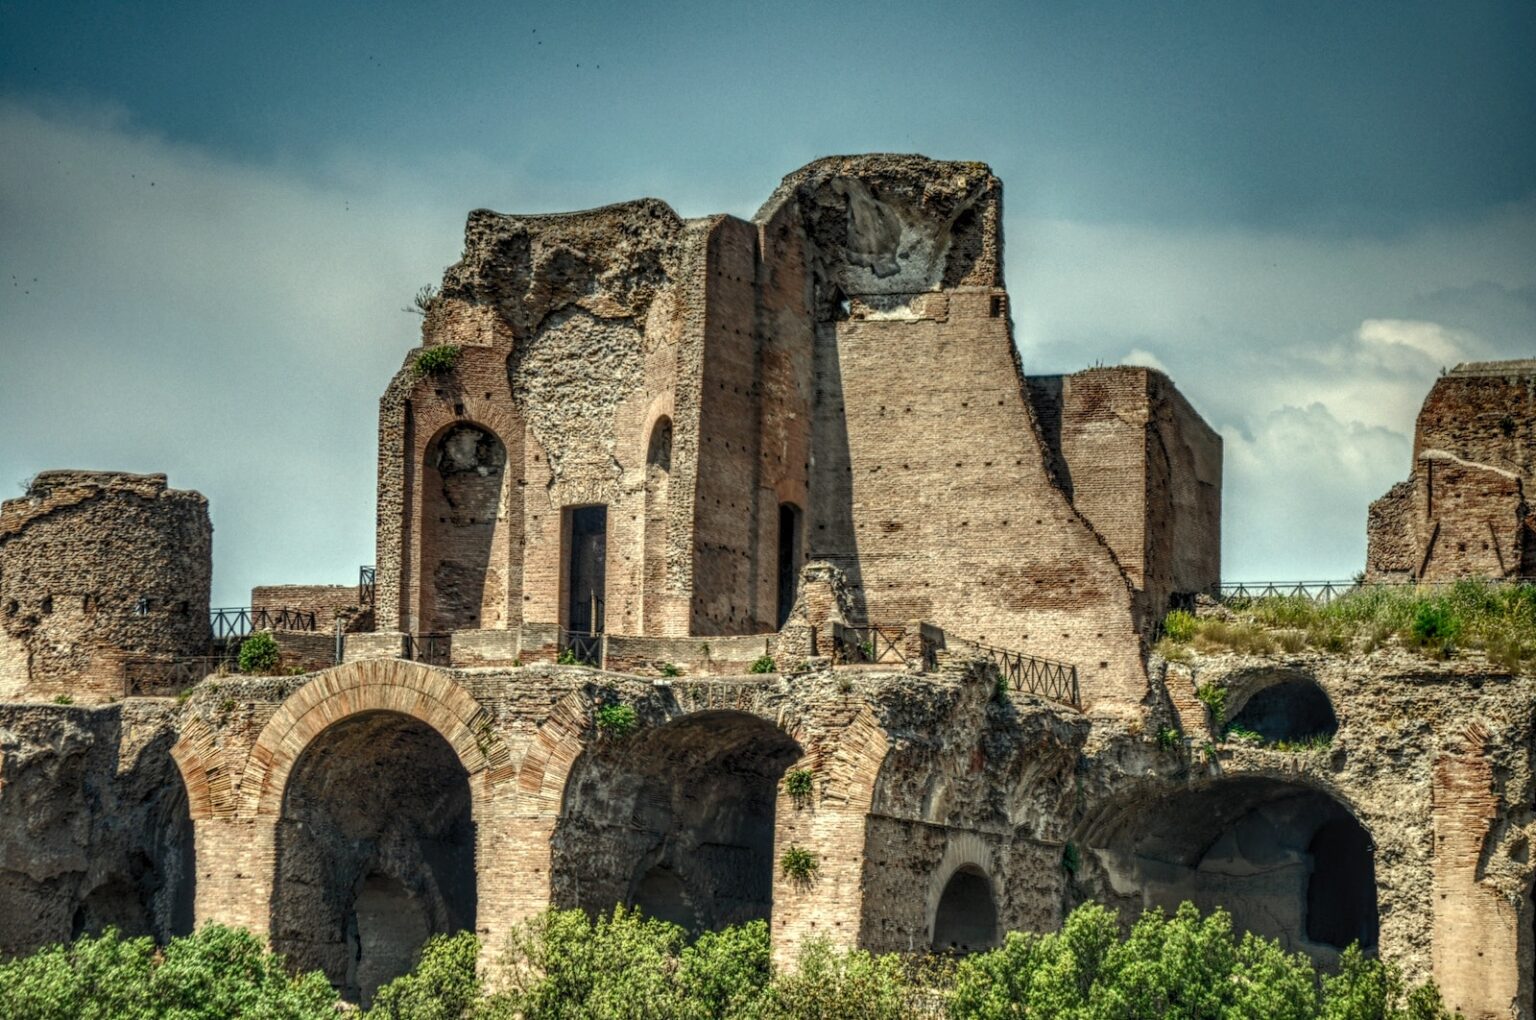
x=1301, y=210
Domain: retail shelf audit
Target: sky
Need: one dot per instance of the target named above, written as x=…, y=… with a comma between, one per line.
x=213, y=216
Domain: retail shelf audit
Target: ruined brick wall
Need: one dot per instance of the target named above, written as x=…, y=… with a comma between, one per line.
x=835, y=378
x=1470, y=511
x=329, y=603
x=1140, y=464
x=929, y=486
x=98, y=569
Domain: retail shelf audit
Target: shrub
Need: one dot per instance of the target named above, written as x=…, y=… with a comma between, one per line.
x=763, y=664
x=799, y=784
x=1435, y=625
x=798, y=863
x=1167, y=738
x=617, y=720
x=216, y=973
x=670, y=669
x=259, y=653
x=1179, y=626
x=567, y=657
x=834, y=984
x=443, y=986
x=436, y=360
x=63, y=699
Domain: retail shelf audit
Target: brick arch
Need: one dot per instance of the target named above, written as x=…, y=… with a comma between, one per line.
x=204, y=772
x=963, y=850
x=376, y=685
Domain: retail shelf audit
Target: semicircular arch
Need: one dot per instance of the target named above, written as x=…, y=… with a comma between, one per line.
x=379, y=685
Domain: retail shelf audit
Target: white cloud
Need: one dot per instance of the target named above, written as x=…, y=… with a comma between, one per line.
x=1146, y=359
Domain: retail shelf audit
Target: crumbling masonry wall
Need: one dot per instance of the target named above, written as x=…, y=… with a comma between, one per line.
x=1467, y=508
x=101, y=573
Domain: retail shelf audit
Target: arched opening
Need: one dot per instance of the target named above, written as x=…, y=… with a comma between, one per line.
x=1291, y=710
x=658, y=475
x=676, y=819
x=1287, y=861
x=966, y=918
x=1341, y=893
x=789, y=559
x=375, y=851
x=465, y=492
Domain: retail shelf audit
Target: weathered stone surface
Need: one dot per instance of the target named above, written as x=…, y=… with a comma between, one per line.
x=1466, y=510
x=101, y=573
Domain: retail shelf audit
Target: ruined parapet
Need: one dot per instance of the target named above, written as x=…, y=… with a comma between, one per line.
x=1466, y=509
x=1144, y=468
x=101, y=574
x=336, y=606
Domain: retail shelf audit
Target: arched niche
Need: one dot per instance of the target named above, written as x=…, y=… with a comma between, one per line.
x=1286, y=860
x=965, y=919
x=677, y=819
x=470, y=507
x=375, y=850
x=1283, y=708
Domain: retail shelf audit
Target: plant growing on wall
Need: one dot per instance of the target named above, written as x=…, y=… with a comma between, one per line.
x=422, y=303
x=763, y=664
x=1167, y=738
x=670, y=669
x=436, y=360
x=259, y=653
x=798, y=863
x=1214, y=698
x=617, y=720
x=799, y=784
x=567, y=658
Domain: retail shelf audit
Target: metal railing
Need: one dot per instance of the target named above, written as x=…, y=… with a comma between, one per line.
x=873, y=643
x=150, y=678
x=1324, y=592
x=367, y=578
x=584, y=647
x=429, y=649
x=239, y=622
x=1047, y=678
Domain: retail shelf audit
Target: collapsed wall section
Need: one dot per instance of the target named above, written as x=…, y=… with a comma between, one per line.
x=930, y=487
x=102, y=575
x=1466, y=509
x=1144, y=468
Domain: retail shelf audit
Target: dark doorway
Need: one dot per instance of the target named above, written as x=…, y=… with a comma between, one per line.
x=375, y=851
x=1341, y=894
x=966, y=920
x=584, y=584
x=1294, y=710
x=789, y=558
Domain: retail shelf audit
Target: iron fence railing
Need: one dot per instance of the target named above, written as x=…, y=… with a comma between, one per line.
x=584, y=648
x=367, y=579
x=148, y=678
x=239, y=622
x=1327, y=591
x=1047, y=678
x=874, y=643
x=429, y=649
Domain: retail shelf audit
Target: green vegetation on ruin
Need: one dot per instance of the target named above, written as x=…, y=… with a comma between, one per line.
x=563, y=965
x=1441, y=622
x=259, y=654
x=435, y=360
x=617, y=720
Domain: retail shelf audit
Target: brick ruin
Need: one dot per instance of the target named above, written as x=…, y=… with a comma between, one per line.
x=661, y=456
x=1467, y=508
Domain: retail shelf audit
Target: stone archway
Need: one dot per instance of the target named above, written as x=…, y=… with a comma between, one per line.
x=375, y=851
x=965, y=917
x=1285, y=859
x=677, y=819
